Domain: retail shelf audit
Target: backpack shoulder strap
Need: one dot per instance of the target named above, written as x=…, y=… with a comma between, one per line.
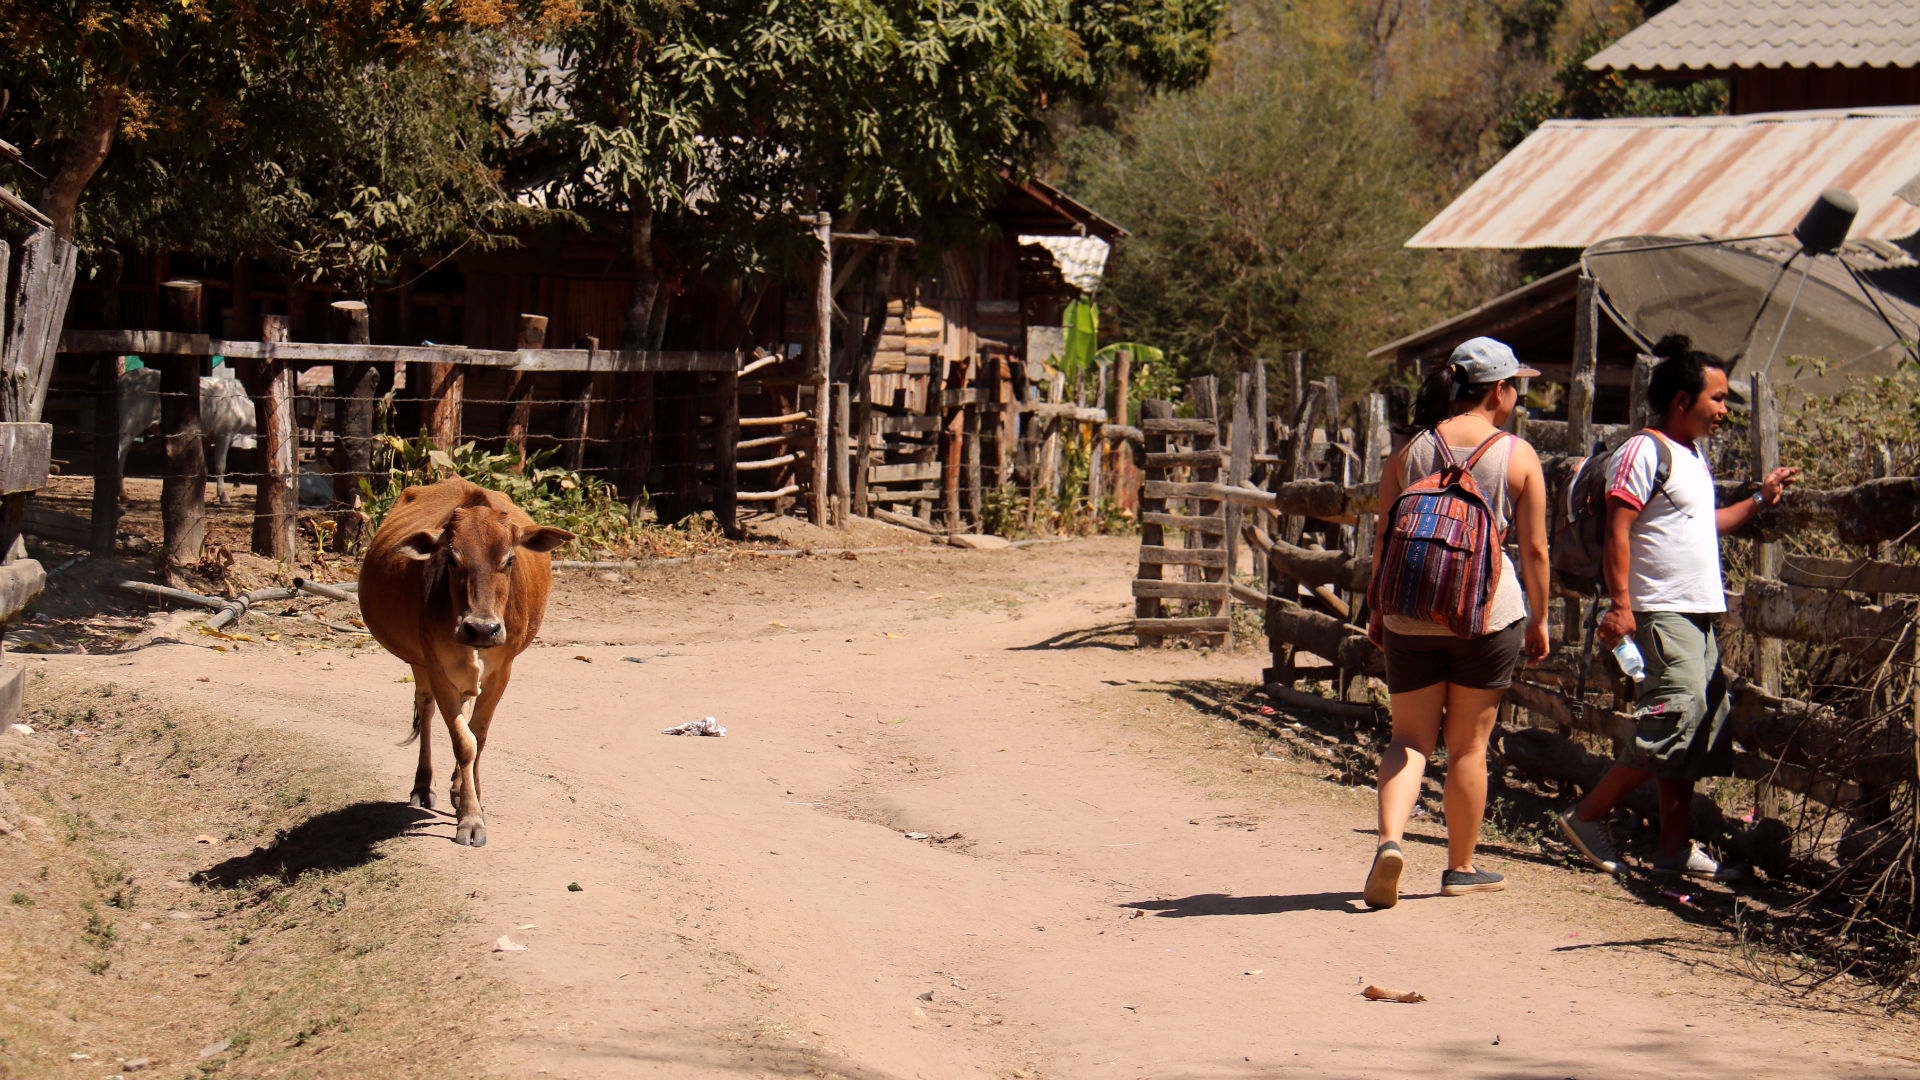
x=1486, y=446
x=1662, y=463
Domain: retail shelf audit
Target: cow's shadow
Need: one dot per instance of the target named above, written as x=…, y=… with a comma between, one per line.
x=327, y=842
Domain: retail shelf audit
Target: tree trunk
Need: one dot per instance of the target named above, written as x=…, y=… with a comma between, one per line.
x=646, y=279
x=82, y=157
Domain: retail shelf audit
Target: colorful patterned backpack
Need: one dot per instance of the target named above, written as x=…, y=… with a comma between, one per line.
x=1439, y=559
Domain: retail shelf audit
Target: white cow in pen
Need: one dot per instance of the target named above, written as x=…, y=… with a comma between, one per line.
x=226, y=415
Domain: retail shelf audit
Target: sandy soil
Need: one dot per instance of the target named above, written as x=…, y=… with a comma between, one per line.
x=1111, y=884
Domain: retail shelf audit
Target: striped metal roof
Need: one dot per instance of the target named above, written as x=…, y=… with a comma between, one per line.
x=1732, y=35
x=1575, y=182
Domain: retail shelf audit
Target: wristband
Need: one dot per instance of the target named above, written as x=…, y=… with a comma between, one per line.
x=1760, y=499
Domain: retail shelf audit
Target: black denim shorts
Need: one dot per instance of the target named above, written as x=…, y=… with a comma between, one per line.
x=1416, y=661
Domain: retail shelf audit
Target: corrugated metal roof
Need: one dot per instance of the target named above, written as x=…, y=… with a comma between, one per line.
x=1575, y=182
x=1729, y=35
x=1082, y=259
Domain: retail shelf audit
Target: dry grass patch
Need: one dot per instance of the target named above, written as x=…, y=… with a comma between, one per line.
x=215, y=897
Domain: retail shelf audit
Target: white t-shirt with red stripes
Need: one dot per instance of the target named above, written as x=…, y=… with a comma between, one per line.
x=1674, y=545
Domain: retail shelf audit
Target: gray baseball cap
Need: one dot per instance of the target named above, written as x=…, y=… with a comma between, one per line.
x=1483, y=360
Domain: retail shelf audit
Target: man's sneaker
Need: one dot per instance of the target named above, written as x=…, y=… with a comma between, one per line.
x=1383, y=881
x=1590, y=838
x=1462, y=882
x=1698, y=864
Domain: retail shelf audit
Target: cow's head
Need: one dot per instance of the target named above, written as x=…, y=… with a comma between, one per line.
x=474, y=555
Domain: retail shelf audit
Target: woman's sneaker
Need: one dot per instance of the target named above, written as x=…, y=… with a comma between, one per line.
x=1383, y=881
x=1462, y=882
x=1590, y=838
x=1699, y=864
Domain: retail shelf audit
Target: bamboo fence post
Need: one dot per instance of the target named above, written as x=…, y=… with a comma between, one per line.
x=276, y=502
x=183, y=494
x=1763, y=438
x=636, y=434
x=353, y=388
x=1126, y=482
x=973, y=414
x=579, y=413
x=1260, y=444
x=106, y=453
x=1239, y=464
x=1763, y=434
x=842, y=453
x=726, y=451
x=530, y=333
x=953, y=434
x=821, y=348
x=1586, y=365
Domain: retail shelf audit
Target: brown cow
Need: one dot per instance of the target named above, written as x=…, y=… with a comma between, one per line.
x=455, y=583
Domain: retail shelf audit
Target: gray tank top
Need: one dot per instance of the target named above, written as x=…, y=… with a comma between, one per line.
x=1490, y=472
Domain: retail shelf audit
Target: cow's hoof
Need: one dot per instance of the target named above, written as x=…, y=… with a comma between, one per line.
x=421, y=799
x=470, y=835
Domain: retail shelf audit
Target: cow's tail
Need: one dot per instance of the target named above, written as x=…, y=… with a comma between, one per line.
x=421, y=717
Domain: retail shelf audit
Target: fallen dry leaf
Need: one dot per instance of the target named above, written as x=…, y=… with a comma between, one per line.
x=1375, y=993
x=507, y=944
x=586, y=659
x=203, y=838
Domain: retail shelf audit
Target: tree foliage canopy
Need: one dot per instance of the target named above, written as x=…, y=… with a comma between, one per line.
x=716, y=123
x=1268, y=210
x=338, y=134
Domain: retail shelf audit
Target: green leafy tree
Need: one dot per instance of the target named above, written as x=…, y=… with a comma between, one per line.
x=703, y=131
x=338, y=134
x=1268, y=209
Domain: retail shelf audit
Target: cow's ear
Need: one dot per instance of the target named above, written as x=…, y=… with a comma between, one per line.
x=419, y=545
x=544, y=538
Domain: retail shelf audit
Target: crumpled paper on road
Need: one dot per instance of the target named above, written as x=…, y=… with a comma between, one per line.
x=703, y=726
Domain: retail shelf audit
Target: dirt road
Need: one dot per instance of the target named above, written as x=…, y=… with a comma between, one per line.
x=1111, y=885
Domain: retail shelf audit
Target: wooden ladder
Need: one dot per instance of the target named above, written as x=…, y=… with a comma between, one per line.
x=1193, y=446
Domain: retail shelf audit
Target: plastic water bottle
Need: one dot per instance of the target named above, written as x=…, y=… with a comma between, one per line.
x=1627, y=655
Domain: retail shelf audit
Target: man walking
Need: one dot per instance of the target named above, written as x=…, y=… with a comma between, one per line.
x=1662, y=566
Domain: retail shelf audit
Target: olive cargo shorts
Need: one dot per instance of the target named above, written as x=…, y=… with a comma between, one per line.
x=1680, y=715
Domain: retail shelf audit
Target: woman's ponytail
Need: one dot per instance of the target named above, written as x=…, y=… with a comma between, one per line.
x=1435, y=400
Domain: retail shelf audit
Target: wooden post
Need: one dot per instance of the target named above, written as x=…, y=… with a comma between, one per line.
x=1637, y=412
x=446, y=389
x=1239, y=464
x=106, y=453
x=1296, y=381
x=821, y=356
x=354, y=386
x=579, y=415
x=1376, y=443
x=842, y=453
x=953, y=434
x=726, y=451
x=1586, y=364
x=183, y=494
x=276, y=499
x=530, y=334
x=1126, y=487
x=1260, y=443
x=635, y=436
x=1763, y=433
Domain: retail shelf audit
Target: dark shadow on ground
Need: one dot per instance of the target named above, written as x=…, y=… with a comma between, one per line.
x=1636, y=943
x=1115, y=636
x=332, y=841
x=1188, y=907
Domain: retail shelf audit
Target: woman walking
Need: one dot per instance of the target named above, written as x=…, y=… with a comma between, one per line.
x=1443, y=685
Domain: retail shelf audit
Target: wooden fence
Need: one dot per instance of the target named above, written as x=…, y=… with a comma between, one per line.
x=1316, y=588
x=689, y=430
